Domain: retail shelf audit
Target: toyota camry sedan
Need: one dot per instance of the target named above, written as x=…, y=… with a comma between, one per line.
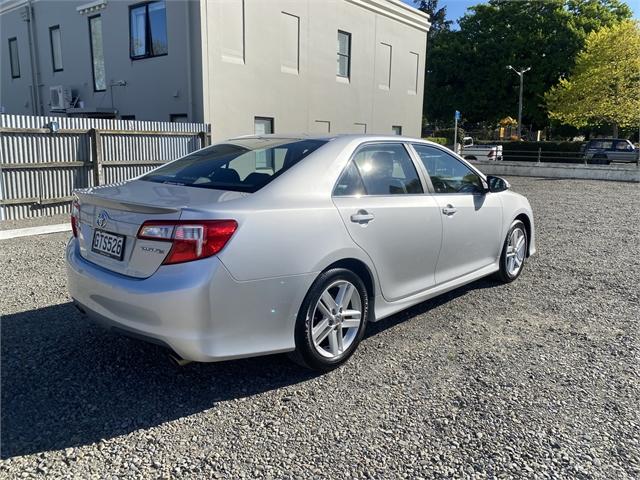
x=268, y=244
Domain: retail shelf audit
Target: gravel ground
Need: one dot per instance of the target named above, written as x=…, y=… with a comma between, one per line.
x=539, y=378
x=34, y=222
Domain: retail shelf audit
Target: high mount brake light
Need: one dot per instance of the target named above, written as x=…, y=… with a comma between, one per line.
x=191, y=240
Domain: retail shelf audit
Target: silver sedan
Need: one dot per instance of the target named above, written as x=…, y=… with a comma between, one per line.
x=268, y=244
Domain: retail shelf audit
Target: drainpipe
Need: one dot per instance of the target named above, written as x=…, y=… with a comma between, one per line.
x=27, y=16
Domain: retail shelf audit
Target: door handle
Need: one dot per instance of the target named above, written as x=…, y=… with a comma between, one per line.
x=362, y=217
x=449, y=210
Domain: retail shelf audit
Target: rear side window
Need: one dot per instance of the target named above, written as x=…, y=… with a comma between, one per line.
x=246, y=165
x=380, y=169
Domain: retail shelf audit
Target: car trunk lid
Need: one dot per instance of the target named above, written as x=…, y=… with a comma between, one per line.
x=114, y=214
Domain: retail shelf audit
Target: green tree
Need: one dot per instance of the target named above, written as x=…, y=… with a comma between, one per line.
x=604, y=86
x=467, y=67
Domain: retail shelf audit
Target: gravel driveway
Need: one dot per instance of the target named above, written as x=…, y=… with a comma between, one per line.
x=539, y=378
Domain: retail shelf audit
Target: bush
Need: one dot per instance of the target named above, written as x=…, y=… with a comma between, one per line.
x=438, y=140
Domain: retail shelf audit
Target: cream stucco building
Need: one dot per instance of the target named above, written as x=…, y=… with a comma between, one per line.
x=244, y=66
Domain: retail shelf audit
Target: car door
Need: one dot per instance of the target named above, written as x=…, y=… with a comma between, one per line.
x=471, y=218
x=381, y=199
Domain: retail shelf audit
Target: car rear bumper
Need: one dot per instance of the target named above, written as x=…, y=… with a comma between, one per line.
x=197, y=309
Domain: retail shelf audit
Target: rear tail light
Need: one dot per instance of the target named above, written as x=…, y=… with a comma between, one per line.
x=191, y=240
x=75, y=217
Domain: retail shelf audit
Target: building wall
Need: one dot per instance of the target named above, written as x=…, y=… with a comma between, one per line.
x=155, y=87
x=248, y=69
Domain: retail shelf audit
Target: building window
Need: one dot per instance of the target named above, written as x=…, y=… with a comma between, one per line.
x=97, y=54
x=56, y=48
x=264, y=159
x=14, y=58
x=178, y=118
x=263, y=125
x=344, y=54
x=397, y=129
x=148, y=30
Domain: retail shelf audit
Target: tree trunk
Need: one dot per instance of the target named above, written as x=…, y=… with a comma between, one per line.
x=615, y=130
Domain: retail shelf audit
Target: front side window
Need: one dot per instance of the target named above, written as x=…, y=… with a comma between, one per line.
x=236, y=165
x=380, y=169
x=56, y=48
x=148, y=30
x=624, y=146
x=14, y=58
x=447, y=173
x=344, y=54
x=97, y=54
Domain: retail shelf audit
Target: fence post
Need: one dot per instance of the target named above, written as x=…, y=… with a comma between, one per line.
x=96, y=156
x=204, y=139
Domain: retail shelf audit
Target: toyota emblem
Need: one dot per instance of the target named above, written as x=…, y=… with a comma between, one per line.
x=101, y=219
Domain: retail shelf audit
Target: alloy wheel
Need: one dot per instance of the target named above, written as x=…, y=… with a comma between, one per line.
x=516, y=251
x=336, y=319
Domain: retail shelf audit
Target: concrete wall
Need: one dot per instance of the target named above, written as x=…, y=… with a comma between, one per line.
x=617, y=172
x=247, y=68
x=156, y=87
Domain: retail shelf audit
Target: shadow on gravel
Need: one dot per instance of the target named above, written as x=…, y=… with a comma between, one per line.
x=67, y=383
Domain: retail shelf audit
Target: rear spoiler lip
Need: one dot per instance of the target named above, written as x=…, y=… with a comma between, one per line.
x=84, y=195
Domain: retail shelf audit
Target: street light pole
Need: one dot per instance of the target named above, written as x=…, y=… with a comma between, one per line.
x=520, y=73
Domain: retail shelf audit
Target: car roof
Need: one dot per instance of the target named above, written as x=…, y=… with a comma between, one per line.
x=345, y=136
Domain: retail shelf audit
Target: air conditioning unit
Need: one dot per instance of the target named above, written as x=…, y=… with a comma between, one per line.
x=60, y=97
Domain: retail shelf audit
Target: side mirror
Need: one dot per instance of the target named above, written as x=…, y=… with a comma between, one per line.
x=497, y=184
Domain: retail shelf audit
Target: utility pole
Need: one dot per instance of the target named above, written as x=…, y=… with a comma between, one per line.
x=455, y=131
x=520, y=73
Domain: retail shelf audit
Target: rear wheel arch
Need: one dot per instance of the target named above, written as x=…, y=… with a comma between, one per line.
x=359, y=268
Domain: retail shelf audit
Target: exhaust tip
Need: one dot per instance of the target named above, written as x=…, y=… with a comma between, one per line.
x=178, y=360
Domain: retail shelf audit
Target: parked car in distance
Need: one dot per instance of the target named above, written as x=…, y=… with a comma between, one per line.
x=267, y=244
x=480, y=152
x=604, y=151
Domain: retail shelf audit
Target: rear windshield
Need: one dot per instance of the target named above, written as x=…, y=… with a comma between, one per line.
x=246, y=165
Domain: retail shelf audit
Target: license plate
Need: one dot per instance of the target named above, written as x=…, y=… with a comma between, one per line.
x=108, y=244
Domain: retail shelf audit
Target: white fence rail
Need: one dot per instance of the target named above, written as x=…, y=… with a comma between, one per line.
x=40, y=167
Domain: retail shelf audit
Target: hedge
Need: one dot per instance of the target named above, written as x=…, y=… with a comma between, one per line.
x=438, y=140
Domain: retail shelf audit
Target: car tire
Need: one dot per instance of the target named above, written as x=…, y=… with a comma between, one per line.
x=470, y=157
x=326, y=334
x=514, y=255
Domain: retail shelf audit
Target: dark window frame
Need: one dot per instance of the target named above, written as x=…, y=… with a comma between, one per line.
x=347, y=56
x=53, y=57
x=93, y=68
x=393, y=128
x=13, y=73
x=147, y=32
